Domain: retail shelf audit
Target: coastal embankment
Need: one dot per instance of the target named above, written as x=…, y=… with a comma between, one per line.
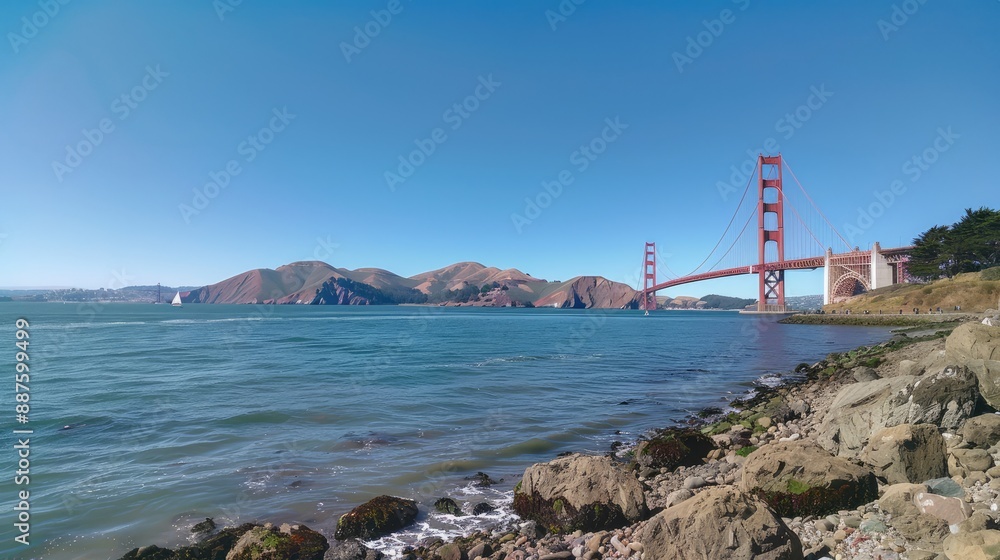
x=889, y=451
x=936, y=320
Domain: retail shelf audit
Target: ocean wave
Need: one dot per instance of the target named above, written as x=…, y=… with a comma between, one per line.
x=522, y=358
x=264, y=417
x=448, y=527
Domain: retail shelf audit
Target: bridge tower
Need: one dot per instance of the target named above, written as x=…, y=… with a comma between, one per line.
x=771, y=227
x=649, y=279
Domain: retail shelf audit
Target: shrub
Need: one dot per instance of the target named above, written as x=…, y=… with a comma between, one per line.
x=991, y=273
x=744, y=451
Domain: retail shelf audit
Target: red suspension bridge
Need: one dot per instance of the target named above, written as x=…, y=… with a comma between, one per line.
x=803, y=240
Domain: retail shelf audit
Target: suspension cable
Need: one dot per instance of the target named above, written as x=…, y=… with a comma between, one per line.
x=809, y=198
x=731, y=220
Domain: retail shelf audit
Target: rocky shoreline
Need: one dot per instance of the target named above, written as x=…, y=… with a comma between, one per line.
x=886, y=320
x=887, y=452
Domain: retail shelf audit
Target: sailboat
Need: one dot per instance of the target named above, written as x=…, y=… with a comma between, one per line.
x=177, y=300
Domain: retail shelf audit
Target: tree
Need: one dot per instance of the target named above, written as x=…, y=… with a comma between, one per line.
x=927, y=259
x=969, y=245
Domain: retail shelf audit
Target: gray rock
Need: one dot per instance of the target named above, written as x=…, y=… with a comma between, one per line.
x=981, y=431
x=351, y=549
x=481, y=549
x=951, y=510
x=909, y=367
x=897, y=499
x=921, y=528
x=859, y=410
x=449, y=506
x=376, y=517
x=907, y=453
x=863, y=373
x=450, y=551
x=678, y=496
x=482, y=508
x=783, y=469
x=720, y=522
x=973, y=459
x=944, y=399
x=980, y=545
x=693, y=482
x=977, y=347
x=799, y=407
x=873, y=526
x=290, y=541
x=824, y=526
x=945, y=486
x=580, y=492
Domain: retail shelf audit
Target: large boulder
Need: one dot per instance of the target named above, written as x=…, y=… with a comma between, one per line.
x=979, y=545
x=977, y=347
x=859, y=410
x=897, y=499
x=907, y=453
x=982, y=431
x=673, y=448
x=289, y=541
x=580, y=492
x=971, y=460
x=376, y=517
x=720, y=522
x=922, y=529
x=945, y=398
x=800, y=478
x=952, y=510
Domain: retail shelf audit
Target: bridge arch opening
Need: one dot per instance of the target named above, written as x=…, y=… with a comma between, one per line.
x=849, y=285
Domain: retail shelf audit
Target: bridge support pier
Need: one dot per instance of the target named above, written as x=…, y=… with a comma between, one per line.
x=771, y=228
x=649, y=279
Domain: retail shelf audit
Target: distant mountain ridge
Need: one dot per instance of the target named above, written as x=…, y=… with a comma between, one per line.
x=464, y=283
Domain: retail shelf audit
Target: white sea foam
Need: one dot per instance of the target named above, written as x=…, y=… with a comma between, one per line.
x=448, y=527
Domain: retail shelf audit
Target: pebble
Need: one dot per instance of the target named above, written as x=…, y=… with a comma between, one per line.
x=873, y=526
x=622, y=549
x=595, y=542
x=692, y=482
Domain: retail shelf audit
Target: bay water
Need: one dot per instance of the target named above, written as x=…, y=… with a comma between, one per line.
x=149, y=418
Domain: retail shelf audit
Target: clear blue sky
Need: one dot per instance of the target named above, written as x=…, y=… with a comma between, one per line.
x=198, y=84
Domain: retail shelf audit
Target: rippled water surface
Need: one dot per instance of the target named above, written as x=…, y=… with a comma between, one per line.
x=148, y=418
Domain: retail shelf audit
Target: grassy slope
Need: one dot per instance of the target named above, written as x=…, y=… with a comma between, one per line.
x=967, y=290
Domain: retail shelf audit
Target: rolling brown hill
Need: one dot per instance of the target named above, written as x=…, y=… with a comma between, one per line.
x=460, y=275
x=315, y=282
x=589, y=291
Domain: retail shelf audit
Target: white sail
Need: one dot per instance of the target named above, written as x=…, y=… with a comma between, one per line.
x=177, y=300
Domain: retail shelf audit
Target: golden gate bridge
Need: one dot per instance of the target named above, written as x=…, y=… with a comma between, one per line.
x=770, y=249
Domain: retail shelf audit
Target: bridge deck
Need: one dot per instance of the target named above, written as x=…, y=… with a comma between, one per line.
x=809, y=263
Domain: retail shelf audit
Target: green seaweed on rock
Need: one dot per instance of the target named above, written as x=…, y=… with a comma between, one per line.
x=558, y=516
